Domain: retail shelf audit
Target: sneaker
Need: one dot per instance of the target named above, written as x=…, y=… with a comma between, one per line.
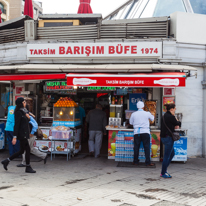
x=166, y=175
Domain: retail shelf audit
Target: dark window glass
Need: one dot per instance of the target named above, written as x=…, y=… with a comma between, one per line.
x=1, y=6
x=198, y=6
x=167, y=7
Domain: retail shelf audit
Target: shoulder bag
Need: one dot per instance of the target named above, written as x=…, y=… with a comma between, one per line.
x=175, y=135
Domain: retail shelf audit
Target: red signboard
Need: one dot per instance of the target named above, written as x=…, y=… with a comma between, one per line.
x=132, y=80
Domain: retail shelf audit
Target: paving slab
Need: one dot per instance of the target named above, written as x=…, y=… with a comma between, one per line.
x=84, y=181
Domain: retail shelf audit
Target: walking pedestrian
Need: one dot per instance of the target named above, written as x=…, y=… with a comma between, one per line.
x=166, y=137
x=33, y=128
x=10, y=130
x=21, y=132
x=140, y=121
x=97, y=122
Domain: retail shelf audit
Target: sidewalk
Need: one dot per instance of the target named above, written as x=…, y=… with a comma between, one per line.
x=86, y=181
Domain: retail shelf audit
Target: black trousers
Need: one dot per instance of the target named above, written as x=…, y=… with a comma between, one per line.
x=24, y=146
x=145, y=138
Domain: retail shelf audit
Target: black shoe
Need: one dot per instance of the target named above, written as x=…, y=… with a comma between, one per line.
x=5, y=163
x=45, y=159
x=21, y=165
x=29, y=170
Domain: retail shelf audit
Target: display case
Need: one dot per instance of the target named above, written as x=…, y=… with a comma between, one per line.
x=151, y=106
x=66, y=116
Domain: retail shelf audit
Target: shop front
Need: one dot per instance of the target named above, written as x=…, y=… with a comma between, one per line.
x=54, y=94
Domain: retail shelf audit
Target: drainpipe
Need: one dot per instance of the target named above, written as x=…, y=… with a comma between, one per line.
x=204, y=113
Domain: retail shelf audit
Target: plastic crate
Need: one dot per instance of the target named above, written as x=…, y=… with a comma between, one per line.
x=61, y=134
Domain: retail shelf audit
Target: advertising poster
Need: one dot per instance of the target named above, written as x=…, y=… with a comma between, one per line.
x=167, y=100
x=180, y=148
x=155, y=155
x=46, y=133
x=134, y=98
x=19, y=89
x=169, y=91
x=111, y=144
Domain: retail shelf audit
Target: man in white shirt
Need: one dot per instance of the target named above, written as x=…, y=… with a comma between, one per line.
x=140, y=121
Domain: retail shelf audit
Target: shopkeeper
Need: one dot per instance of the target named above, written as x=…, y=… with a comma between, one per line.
x=140, y=121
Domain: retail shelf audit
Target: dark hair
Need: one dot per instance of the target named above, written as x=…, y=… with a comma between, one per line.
x=99, y=106
x=18, y=107
x=170, y=106
x=27, y=107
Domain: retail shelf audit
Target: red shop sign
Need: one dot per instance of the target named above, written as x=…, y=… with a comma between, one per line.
x=132, y=80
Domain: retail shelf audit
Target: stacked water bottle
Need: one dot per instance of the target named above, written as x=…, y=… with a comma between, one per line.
x=141, y=152
x=124, y=149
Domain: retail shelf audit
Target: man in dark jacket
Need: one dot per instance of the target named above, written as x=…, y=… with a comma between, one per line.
x=97, y=122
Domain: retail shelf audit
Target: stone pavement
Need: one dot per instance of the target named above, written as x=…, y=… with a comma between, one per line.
x=86, y=181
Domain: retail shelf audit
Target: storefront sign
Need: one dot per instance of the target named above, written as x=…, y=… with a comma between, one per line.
x=139, y=80
x=134, y=98
x=57, y=85
x=95, y=50
x=101, y=89
x=169, y=91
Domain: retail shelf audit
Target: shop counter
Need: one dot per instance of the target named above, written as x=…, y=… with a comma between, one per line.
x=128, y=135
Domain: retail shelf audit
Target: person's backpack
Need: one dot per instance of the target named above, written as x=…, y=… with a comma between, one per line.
x=39, y=133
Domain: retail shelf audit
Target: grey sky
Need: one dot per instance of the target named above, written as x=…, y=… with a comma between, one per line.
x=71, y=6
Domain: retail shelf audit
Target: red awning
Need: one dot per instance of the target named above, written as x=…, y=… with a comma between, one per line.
x=170, y=79
x=84, y=7
x=28, y=8
x=16, y=77
x=0, y=15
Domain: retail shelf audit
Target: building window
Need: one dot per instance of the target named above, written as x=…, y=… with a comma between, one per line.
x=35, y=11
x=165, y=8
x=198, y=6
x=2, y=8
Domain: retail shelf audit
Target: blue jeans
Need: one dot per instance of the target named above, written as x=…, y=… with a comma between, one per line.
x=12, y=148
x=145, y=138
x=169, y=153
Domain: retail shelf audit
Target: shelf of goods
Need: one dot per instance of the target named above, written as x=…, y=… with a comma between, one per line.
x=66, y=113
x=62, y=142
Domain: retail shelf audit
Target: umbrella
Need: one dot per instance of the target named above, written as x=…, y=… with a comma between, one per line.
x=28, y=8
x=0, y=15
x=84, y=7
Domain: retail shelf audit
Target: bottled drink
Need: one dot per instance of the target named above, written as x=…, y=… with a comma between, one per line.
x=113, y=100
x=116, y=100
x=121, y=100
